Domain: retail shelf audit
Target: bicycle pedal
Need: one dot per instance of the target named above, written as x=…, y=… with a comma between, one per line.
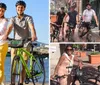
x=17, y=58
x=37, y=78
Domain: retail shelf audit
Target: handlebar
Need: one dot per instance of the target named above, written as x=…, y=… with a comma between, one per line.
x=14, y=43
x=54, y=24
x=58, y=77
x=27, y=39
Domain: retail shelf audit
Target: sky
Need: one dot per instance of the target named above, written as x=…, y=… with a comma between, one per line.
x=38, y=9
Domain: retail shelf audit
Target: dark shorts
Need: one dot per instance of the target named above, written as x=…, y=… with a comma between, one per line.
x=72, y=25
x=86, y=24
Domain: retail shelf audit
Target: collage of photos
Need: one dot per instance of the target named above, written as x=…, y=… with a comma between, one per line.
x=24, y=48
x=74, y=21
x=74, y=47
x=50, y=42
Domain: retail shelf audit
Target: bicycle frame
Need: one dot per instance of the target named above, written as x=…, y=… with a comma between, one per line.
x=31, y=56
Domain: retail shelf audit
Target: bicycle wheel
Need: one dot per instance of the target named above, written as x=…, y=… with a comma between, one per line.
x=90, y=38
x=52, y=31
x=70, y=36
x=38, y=72
x=15, y=70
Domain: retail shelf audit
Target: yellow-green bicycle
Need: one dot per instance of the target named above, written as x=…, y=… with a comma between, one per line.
x=34, y=69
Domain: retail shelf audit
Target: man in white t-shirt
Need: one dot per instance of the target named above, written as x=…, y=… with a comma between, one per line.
x=88, y=14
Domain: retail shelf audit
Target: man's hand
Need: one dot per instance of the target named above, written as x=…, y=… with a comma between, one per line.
x=97, y=24
x=34, y=38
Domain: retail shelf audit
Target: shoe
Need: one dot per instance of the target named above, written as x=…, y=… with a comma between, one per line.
x=20, y=84
x=12, y=84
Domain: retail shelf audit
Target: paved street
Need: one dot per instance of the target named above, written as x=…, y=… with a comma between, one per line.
x=95, y=36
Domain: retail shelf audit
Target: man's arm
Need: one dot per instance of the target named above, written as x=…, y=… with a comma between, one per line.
x=64, y=19
x=95, y=17
x=33, y=32
x=97, y=23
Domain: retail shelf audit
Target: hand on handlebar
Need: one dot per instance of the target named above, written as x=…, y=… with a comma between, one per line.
x=97, y=24
x=52, y=77
x=34, y=38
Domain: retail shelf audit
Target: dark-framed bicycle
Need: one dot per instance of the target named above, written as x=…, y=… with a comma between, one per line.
x=55, y=32
x=70, y=32
x=88, y=75
x=83, y=30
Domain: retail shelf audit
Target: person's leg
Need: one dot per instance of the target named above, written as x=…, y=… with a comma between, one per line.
x=69, y=80
x=23, y=73
x=3, y=52
x=63, y=81
x=65, y=31
x=13, y=53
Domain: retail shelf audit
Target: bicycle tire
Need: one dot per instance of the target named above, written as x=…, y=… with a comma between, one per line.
x=70, y=36
x=89, y=38
x=36, y=71
x=80, y=31
x=15, y=70
x=89, y=72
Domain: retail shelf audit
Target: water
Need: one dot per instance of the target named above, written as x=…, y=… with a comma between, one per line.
x=8, y=67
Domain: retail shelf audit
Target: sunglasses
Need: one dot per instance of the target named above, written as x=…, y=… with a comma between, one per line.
x=69, y=49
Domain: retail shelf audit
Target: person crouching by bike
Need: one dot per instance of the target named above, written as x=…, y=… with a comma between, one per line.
x=22, y=25
x=88, y=14
x=72, y=19
x=67, y=59
x=3, y=43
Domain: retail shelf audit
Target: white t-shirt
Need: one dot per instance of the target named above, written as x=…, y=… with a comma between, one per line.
x=3, y=28
x=88, y=14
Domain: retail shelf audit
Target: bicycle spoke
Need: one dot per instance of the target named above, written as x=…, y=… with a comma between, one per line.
x=38, y=73
x=15, y=70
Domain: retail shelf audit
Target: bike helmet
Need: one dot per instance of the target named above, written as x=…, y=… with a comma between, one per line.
x=20, y=3
x=2, y=5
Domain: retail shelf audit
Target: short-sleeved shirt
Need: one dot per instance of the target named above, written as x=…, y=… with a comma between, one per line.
x=21, y=26
x=88, y=14
x=3, y=28
x=72, y=16
x=60, y=17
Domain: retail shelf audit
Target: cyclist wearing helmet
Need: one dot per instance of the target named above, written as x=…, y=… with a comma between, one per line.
x=3, y=43
x=23, y=25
